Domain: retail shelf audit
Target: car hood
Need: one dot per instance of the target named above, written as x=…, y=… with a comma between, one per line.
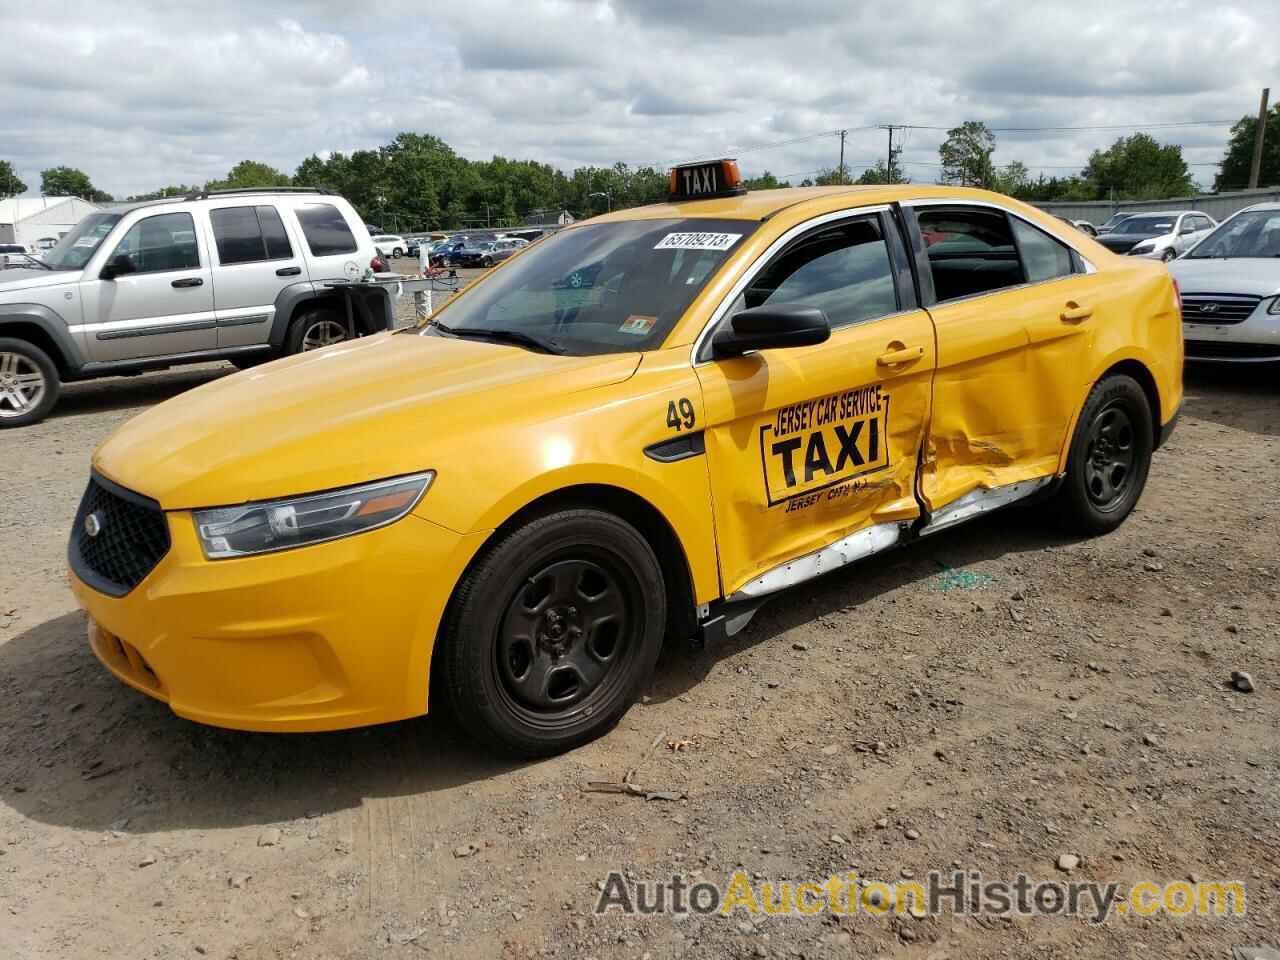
x=13, y=281
x=1256, y=276
x=379, y=407
x=1121, y=242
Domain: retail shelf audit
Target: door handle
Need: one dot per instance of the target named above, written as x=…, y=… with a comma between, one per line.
x=903, y=355
x=288, y=271
x=1075, y=313
x=188, y=282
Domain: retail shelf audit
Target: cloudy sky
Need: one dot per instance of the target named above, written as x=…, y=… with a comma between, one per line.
x=142, y=95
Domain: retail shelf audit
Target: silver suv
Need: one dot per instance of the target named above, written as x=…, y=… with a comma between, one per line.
x=239, y=275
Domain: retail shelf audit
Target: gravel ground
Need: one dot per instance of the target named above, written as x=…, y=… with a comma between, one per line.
x=993, y=698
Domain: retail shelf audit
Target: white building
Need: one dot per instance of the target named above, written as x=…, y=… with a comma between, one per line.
x=29, y=220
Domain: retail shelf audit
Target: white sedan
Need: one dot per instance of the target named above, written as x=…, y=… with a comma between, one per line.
x=390, y=245
x=1184, y=232
x=1230, y=283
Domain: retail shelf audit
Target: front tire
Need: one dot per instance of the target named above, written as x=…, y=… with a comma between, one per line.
x=29, y=384
x=1110, y=458
x=315, y=329
x=397, y=253
x=1168, y=255
x=553, y=632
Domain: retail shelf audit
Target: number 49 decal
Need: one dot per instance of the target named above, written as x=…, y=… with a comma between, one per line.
x=680, y=414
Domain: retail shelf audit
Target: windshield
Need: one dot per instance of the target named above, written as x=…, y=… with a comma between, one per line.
x=73, y=251
x=1253, y=234
x=1153, y=225
x=600, y=288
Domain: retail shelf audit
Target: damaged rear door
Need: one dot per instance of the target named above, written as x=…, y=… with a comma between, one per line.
x=1014, y=312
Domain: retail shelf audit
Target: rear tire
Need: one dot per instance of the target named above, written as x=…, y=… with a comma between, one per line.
x=397, y=253
x=315, y=329
x=29, y=383
x=1110, y=458
x=553, y=632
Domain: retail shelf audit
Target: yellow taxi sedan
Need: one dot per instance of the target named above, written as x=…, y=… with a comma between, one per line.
x=636, y=429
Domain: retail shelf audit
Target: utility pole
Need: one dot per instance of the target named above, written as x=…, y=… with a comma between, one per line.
x=1256, y=170
x=889, y=170
x=843, y=134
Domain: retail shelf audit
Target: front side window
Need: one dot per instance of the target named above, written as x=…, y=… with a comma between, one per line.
x=599, y=288
x=971, y=251
x=78, y=244
x=1043, y=257
x=249, y=234
x=326, y=230
x=842, y=269
x=159, y=244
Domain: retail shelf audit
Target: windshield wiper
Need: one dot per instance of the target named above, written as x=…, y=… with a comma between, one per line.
x=501, y=336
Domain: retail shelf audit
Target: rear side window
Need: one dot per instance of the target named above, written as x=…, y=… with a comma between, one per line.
x=326, y=230
x=249, y=234
x=971, y=251
x=843, y=270
x=1042, y=256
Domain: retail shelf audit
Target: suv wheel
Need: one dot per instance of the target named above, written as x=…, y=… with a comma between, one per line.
x=397, y=253
x=553, y=631
x=315, y=329
x=29, y=383
x=1109, y=459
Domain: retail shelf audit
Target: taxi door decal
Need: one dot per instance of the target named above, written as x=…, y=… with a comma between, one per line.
x=823, y=444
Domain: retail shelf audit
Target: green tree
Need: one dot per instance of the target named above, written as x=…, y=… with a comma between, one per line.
x=966, y=155
x=1237, y=161
x=880, y=174
x=766, y=181
x=248, y=175
x=70, y=182
x=1139, y=168
x=1012, y=178
x=10, y=185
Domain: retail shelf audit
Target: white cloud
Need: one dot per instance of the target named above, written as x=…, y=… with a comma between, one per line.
x=144, y=95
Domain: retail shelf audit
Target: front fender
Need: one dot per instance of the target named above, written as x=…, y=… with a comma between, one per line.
x=51, y=323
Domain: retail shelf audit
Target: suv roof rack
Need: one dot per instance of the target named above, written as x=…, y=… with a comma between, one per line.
x=206, y=194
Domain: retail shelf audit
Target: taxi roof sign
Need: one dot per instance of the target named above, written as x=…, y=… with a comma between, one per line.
x=710, y=178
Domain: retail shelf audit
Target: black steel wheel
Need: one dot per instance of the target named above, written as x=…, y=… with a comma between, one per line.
x=1110, y=457
x=553, y=632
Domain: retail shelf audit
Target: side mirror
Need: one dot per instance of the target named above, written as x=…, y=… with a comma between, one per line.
x=771, y=326
x=117, y=266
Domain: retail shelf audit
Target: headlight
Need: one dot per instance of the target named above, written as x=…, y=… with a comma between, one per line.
x=1147, y=246
x=1274, y=309
x=296, y=521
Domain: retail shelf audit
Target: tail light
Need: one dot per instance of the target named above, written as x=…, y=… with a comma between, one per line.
x=378, y=265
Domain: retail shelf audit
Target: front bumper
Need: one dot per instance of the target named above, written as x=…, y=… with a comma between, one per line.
x=1254, y=340
x=323, y=637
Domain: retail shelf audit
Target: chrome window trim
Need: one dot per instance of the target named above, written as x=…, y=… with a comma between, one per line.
x=762, y=261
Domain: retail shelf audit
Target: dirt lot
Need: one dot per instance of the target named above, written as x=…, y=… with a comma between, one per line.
x=1033, y=697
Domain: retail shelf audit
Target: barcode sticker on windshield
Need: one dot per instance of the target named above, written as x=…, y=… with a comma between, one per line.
x=698, y=241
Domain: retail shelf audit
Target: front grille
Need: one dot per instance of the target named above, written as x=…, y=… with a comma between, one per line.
x=132, y=537
x=1217, y=308
x=1229, y=350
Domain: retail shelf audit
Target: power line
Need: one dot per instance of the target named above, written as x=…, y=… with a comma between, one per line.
x=1103, y=126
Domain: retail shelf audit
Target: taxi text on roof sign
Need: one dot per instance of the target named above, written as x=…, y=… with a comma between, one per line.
x=702, y=181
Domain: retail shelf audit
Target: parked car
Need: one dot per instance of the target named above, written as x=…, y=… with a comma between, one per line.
x=228, y=275
x=1084, y=226
x=1112, y=222
x=390, y=245
x=1230, y=285
x=1188, y=230
x=487, y=254
x=16, y=255
x=504, y=512
x=1158, y=236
